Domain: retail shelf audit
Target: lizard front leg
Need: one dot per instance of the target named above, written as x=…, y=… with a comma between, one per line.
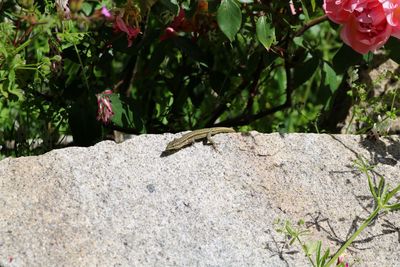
x=209, y=139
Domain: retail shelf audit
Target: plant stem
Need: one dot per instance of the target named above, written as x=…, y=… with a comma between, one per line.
x=83, y=68
x=351, y=239
x=303, y=246
x=311, y=23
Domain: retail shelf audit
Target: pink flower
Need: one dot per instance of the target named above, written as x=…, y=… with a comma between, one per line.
x=178, y=24
x=367, y=24
x=392, y=11
x=104, y=110
x=168, y=33
x=105, y=12
x=292, y=8
x=338, y=10
x=120, y=26
x=102, y=13
x=340, y=260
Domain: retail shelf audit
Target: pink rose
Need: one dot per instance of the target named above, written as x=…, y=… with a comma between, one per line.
x=338, y=10
x=392, y=11
x=367, y=24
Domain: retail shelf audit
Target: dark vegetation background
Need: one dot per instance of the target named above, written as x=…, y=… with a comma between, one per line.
x=285, y=72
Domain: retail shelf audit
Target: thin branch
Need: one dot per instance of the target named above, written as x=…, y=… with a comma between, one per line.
x=310, y=24
x=299, y=32
x=247, y=118
x=220, y=109
x=139, y=56
x=254, y=86
x=131, y=68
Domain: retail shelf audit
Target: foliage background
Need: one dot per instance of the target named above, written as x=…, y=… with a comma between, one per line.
x=244, y=64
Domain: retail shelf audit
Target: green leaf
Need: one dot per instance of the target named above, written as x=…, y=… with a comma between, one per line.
x=391, y=194
x=265, y=31
x=171, y=5
x=87, y=8
x=381, y=187
x=344, y=58
x=145, y=5
x=229, y=17
x=305, y=71
x=325, y=257
x=392, y=45
x=318, y=255
x=126, y=112
x=305, y=11
x=313, y=5
x=331, y=77
x=372, y=189
x=394, y=207
x=11, y=79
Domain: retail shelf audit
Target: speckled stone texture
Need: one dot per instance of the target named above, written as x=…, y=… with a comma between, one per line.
x=128, y=205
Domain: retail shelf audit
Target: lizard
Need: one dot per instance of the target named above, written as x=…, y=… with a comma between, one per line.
x=191, y=137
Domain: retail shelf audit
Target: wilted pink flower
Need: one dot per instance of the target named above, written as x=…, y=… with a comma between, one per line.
x=367, y=24
x=178, y=24
x=63, y=8
x=179, y=20
x=104, y=108
x=121, y=26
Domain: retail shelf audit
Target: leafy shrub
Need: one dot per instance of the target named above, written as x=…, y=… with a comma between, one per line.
x=170, y=66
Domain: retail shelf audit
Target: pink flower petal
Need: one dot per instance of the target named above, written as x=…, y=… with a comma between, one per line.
x=367, y=24
x=104, y=107
x=120, y=26
x=105, y=12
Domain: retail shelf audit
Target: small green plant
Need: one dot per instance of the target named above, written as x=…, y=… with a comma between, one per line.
x=382, y=203
x=296, y=234
x=371, y=111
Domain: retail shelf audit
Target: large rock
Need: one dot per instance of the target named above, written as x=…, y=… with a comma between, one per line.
x=126, y=205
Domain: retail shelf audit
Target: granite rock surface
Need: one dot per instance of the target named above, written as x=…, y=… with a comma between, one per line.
x=129, y=204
